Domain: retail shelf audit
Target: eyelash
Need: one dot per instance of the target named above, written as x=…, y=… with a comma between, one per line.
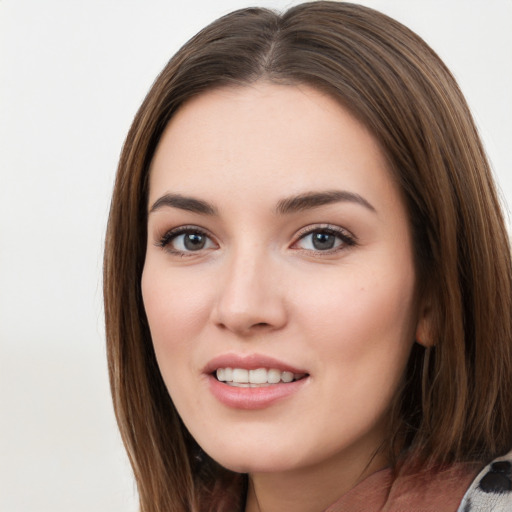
x=171, y=235
x=346, y=239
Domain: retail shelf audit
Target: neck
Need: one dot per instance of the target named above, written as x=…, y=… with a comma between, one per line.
x=308, y=489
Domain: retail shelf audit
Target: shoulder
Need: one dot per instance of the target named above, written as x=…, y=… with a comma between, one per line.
x=491, y=490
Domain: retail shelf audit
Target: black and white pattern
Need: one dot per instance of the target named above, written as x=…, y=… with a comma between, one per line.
x=491, y=491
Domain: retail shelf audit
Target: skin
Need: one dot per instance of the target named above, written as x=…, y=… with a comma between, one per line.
x=347, y=315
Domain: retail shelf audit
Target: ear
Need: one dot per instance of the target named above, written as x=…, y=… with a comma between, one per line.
x=424, y=327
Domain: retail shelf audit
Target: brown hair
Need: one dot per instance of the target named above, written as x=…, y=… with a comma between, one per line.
x=456, y=400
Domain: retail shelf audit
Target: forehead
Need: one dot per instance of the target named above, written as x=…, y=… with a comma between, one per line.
x=267, y=138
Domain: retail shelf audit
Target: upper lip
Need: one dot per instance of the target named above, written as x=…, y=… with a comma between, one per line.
x=250, y=362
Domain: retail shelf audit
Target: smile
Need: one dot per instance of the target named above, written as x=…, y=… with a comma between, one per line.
x=241, y=377
x=254, y=381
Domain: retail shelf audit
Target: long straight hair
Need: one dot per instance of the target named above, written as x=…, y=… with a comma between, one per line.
x=455, y=401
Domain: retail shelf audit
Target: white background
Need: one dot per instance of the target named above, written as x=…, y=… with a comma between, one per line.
x=72, y=74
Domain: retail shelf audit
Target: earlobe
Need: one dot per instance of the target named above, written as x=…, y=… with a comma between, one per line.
x=424, y=328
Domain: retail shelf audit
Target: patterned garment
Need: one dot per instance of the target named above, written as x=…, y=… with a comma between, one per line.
x=491, y=491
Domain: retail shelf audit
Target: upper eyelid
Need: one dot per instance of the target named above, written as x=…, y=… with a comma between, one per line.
x=179, y=230
x=184, y=228
x=311, y=228
x=301, y=233
x=347, y=238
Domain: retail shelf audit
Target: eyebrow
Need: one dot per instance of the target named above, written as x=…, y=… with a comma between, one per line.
x=189, y=204
x=311, y=200
x=285, y=206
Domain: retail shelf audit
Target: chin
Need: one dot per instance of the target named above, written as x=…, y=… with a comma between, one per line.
x=262, y=465
x=254, y=459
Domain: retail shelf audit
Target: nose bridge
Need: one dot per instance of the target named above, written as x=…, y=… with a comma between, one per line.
x=250, y=295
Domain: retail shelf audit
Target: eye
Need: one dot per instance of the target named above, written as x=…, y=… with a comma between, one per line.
x=185, y=240
x=328, y=239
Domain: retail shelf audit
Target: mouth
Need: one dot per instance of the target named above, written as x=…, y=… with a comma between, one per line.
x=253, y=381
x=255, y=378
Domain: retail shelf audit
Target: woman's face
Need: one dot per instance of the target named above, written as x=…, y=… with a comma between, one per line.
x=278, y=250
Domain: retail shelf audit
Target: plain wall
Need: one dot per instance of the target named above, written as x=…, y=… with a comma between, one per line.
x=72, y=74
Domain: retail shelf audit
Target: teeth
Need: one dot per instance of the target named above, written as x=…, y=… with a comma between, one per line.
x=258, y=376
x=240, y=375
x=244, y=378
x=287, y=376
x=274, y=376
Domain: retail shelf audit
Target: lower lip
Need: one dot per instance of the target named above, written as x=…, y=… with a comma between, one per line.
x=253, y=398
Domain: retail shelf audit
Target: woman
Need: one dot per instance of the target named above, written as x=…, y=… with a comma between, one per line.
x=307, y=275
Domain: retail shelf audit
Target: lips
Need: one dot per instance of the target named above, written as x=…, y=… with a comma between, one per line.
x=254, y=381
x=250, y=362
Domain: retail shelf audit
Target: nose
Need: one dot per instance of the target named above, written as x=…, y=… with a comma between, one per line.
x=250, y=298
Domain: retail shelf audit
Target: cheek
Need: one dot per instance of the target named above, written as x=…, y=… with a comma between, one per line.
x=360, y=332
x=176, y=307
x=360, y=316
